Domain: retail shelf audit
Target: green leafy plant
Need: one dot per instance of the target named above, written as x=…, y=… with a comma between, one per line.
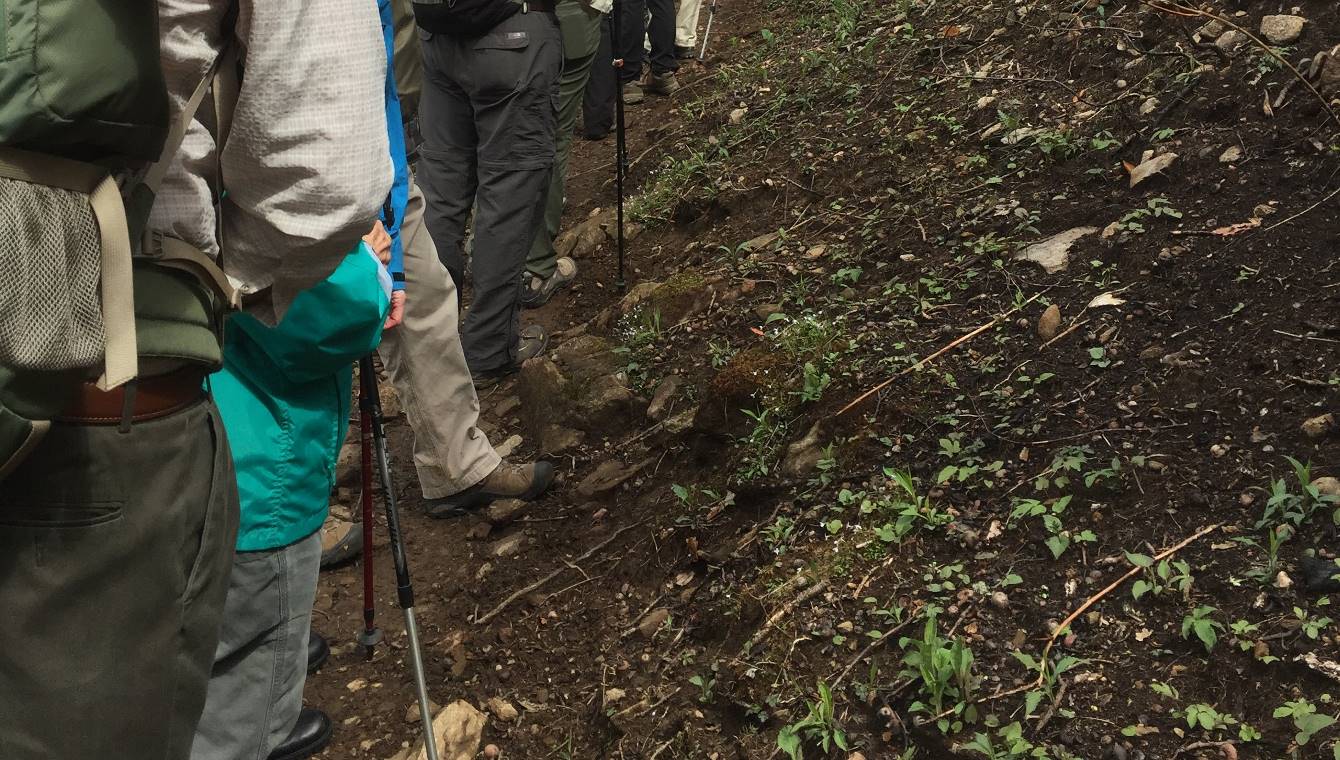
x=942, y=668
x=1013, y=745
x=706, y=685
x=1051, y=675
x=1166, y=575
x=1305, y=719
x=1204, y=627
x=1058, y=539
x=819, y=726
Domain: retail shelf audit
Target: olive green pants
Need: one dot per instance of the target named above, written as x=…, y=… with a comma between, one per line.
x=580, y=27
x=115, y=550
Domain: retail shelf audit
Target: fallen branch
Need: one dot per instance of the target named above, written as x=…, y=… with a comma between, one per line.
x=504, y=604
x=1078, y=324
x=957, y=342
x=1091, y=601
x=1051, y=711
x=1193, y=746
x=783, y=611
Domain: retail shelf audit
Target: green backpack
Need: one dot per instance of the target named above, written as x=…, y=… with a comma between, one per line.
x=85, y=293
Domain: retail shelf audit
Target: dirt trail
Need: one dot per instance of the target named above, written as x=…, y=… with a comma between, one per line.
x=743, y=558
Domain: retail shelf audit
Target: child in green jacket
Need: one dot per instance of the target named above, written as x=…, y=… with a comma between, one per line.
x=284, y=393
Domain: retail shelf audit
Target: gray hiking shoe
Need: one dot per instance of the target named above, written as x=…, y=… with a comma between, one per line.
x=632, y=94
x=531, y=343
x=526, y=482
x=663, y=84
x=537, y=292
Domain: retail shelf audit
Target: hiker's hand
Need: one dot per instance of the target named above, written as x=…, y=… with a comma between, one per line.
x=380, y=242
x=397, y=314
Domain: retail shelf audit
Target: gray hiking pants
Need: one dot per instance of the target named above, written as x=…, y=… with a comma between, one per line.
x=580, y=25
x=260, y=666
x=115, y=550
x=488, y=115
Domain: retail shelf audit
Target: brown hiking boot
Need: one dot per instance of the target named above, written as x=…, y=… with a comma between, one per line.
x=632, y=94
x=341, y=538
x=662, y=84
x=526, y=482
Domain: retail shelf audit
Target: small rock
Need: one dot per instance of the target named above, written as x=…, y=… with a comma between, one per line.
x=1319, y=426
x=665, y=393
x=614, y=696
x=509, y=446
x=1282, y=30
x=1246, y=498
x=804, y=455
x=502, y=709
x=1049, y=324
x=1149, y=106
x=737, y=115
x=1053, y=254
x=507, y=406
x=557, y=439
x=846, y=626
x=1283, y=581
x=653, y=621
x=986, y=102
x=509, y=546
x=1231, y=156
x=491, y=752
x=1151, y=166
x=390, y=397
x=607, y=476
x=1219, y=450
x=1000, y=600
x=505, y=512
x=1327, y=486
x=412, y=714
x=1230, y=41
x=358, y=684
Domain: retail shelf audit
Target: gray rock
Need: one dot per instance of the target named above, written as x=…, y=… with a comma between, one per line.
x=509, y=446
x=558, y=439
x=1282, y=30
x=665, y=393
x=504, y=512
x=1320, y=426
x=803, y=456
x=1231, y=40
x=509, y=546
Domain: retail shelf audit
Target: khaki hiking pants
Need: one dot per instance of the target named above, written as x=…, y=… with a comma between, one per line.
x=686, y=23
x=115, y=551
x=427, y=366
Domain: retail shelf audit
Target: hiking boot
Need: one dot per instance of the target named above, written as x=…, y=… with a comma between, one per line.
x=538, y=291
x=662, y=84
x=341, y=539
x=685, y=53
x=310, y=735
x=318, y=652
x=531, y=343
x=632, y=94
x=508, y=481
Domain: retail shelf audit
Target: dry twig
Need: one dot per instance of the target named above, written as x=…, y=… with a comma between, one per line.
x=504, y=604
x=786, y=609
x=955, y=344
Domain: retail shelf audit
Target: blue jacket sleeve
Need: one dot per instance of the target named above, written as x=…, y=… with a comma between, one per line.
x=393, y=212
x=329, y=325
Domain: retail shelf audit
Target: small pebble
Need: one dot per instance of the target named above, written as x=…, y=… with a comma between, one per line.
x=491, y=751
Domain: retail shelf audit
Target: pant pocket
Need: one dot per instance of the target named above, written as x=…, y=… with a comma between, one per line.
x=218, y=533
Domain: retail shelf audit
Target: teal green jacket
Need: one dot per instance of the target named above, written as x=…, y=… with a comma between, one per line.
x=284, y=393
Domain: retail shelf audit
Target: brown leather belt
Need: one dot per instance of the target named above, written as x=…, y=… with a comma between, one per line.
x=144, y=399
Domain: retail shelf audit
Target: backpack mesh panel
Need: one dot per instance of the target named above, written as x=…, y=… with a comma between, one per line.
x=50, y=277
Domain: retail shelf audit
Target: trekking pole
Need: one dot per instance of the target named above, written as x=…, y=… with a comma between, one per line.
x=371, y=635
x=620, y=143
x=707, y=34
x=404, y=588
